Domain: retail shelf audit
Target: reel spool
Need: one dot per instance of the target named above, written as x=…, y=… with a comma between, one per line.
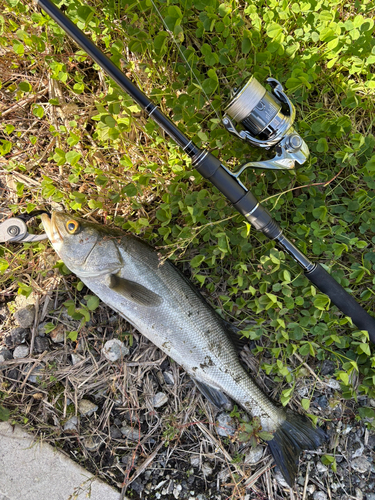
x=268, y=122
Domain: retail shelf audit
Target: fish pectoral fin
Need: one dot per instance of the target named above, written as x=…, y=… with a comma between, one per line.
x=215, y=396
x=233, y=332
x=134, y=291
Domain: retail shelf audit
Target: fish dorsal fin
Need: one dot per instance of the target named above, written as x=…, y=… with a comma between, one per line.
x=233, y=332
x=214, y=396
x=135, y=292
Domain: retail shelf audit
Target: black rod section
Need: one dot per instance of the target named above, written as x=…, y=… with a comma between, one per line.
x=212, y=169
x=118, y=76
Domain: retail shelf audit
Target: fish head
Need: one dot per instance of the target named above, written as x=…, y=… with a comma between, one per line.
x=87, y=249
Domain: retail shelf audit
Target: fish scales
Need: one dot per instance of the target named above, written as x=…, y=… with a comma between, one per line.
x=130, y=277
x=184, y=326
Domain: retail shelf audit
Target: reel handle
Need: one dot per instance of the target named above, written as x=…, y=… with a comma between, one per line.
x=342, y=299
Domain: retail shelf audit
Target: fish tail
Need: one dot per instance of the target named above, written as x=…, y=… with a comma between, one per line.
x=294, y=435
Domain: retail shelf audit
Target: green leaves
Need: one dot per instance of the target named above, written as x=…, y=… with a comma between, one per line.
x=274, y=30
x=92, y=302
x=4, y=264
x=4, y=414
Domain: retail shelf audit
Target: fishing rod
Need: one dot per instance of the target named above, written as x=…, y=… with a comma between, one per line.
x=267, y=122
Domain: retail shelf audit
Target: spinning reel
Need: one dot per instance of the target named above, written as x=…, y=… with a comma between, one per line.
x=268, y=122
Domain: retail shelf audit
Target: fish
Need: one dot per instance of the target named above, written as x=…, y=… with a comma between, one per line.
x=151, y=293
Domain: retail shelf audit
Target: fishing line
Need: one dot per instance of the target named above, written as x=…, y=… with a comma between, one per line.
x=184, y=58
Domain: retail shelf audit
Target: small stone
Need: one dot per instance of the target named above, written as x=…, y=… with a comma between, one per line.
x=114, y=350
x=35, y=375
x=254, y=455
x=280, y=479
x=177, y=490
x=358, y=448
x=86, y=407
x=321, y=468
x=92, y=443
x=76, y=358
x=41, y=344
x=207, y=470
x=372, y=402
x=16, y=336
x=223, y=475
x=334, y=384
x=168, y=489
x=225, y=425
x=370, y=496
x=319, y=495
x=41, y=330
x=25, y=316
x=130, y=460
x=301, y=480
x=13, y=374
x=159, y=400
x=346, y=430
x=5, y=355
x=360, y=465
x=335, y=486
x=321, y=401
x=21, y=351
x=195, y=461
x=71, y=425
x=159, y=485
x=132, y=433
x=115, y=432
x=311, y=488
x=168, y=377
x=327, y=367
x=4, y=313
x=358, y=494
x=201, y=496
x=58, y=334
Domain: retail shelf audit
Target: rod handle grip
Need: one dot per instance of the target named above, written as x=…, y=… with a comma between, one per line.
x=342, y=299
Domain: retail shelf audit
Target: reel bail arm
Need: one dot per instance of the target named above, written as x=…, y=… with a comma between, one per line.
x=14, y=229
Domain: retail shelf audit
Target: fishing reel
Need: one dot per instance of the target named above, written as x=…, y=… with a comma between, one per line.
x=267, y=119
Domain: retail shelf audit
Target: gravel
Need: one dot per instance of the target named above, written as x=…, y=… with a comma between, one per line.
x=321, y=468
x=5, y=355
x=114, y=350
x=71, y=425
x=225, y=425
x=16, y=337
x=207, y=470
x=131, y=433
x=87, y=408
x=25, y=316
x=361, y=465
x=58, y=334
x=117, y=401
x=254, y=455
x=21, y=351
x=41, y=344
x=320, y=495
x=159, y=400
x=36, y=374
x=168, y=377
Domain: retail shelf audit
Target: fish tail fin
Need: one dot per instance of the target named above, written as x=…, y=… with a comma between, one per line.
x=294, y=435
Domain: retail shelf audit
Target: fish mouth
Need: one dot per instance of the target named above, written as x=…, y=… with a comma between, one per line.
x=51, y=229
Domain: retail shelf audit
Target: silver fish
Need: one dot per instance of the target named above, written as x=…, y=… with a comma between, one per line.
x=128, y=275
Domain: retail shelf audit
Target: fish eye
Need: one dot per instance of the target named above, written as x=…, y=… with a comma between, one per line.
x=72, y=226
